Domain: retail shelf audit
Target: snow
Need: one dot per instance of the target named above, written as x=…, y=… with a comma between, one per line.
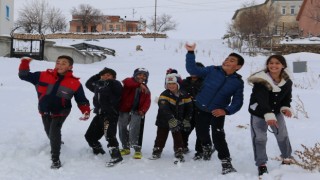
x=25, y=149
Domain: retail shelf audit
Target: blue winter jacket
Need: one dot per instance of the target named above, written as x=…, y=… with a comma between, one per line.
x=218, y=90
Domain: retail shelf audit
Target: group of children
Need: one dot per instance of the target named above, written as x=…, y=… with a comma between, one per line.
x=200, y=102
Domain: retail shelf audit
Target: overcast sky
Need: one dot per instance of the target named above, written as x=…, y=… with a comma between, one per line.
x=197, y=19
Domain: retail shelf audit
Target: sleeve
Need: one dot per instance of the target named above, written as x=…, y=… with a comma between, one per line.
x=192, y=68
x=130, y=83
x=236, y=102
x=117, y=90
x=82, y=101
x=146, y=102
x=288, y=98
x=90, y=83
x=26, y=75
x=188, y=108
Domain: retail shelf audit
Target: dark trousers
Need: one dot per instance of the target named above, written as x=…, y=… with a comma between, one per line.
x=205, y=120
x=162, y=136
x=99, y=127
x=52, y=126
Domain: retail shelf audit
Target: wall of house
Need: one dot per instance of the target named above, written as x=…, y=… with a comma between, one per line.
x=287, y=20
x=6, y=16
x=308, y=26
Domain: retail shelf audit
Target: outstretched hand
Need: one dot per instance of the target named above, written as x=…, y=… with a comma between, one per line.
x=190, y=47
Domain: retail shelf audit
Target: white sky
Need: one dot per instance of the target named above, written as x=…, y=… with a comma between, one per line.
x=197, y=19
x=25, y=149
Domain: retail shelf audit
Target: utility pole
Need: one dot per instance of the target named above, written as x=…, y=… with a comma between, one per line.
x=133, y=13
x=155, y=20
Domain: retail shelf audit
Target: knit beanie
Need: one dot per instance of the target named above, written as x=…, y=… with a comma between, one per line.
x=173, y=78
x=141, y=71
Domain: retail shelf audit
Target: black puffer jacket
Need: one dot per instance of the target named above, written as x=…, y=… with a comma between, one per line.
x=107, y=95
x=266, y=97
x=171, y=106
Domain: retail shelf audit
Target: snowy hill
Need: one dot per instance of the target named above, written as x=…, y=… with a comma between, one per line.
x=25, y=149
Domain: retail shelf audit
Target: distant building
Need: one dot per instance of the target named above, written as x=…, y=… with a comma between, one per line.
x=284, y=11
x=6, y=16
x=309, y=18
x=107, y=23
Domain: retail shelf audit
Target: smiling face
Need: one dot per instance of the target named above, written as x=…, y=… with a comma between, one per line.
x=141, y=77
x=275, y=66
x=63, y=66
x=230, y=65
x=173, y=87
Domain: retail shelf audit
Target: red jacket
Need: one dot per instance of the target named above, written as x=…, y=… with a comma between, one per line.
x=130, y=86
x=54, y=91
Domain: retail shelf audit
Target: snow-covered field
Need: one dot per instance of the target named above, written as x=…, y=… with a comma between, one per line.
x=25, y=149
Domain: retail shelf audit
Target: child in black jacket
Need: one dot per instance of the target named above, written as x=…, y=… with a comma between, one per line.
x=174, y=114
x=107, y=92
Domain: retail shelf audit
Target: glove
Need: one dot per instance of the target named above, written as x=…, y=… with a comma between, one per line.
x=85, y=116
x=174, y=125
x=186, y=125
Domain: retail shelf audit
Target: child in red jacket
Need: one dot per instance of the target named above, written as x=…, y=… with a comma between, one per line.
x=135, y=102
x=55, y=89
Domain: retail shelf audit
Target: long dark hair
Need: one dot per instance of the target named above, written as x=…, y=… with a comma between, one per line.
x=282, y=60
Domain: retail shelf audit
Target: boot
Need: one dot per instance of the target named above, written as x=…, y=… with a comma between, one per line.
x=137, y=153
x=98, y=149
x=115, y=156
x=197, y=156
x=207, y=152
x=262, y=170
x=227, y=166
x=156, y=153
x=56, y=163
x=178, y=154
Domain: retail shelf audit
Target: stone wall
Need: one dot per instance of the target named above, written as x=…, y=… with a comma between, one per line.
x=295, y=48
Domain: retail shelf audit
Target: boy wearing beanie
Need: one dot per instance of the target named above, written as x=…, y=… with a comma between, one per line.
x=135, y=102
x=174, y=114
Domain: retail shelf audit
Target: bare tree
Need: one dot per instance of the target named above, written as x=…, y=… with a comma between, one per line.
x=87, y=15
x=55, y=20
x=164, y=23
x=38, y=16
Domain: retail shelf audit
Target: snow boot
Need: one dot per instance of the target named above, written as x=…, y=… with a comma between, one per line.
x=137, y=153
x=197, y=156
x=186, y=150
x=56, y=163
x=115, y=156
x=287, y=161
x=207, y=152
x=227, y=166
x=262, y=170
x=98, y=150
x=178, y=154
x=156, y=153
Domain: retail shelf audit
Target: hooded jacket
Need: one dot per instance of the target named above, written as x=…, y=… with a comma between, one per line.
x=267, y=98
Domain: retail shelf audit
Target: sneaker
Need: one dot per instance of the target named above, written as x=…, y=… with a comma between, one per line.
x=98, y=150
x=262, y=170
x=287, y=161
x=114, y=161
x=56, y=164
x=186, y=150
x=197, y=156
x=227, y=166
x=137, y=155
x=124, y=152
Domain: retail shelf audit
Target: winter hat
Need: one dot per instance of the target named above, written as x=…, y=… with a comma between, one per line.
x=141, y=71
x=109, y=71
x=171, y=71
x=173, y=78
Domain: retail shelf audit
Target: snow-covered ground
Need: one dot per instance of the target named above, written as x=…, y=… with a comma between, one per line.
x=25, y=149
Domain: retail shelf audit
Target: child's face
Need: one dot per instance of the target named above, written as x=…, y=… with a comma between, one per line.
x=173, y=87
x=63, y=66
x=141, y=78
x=274, y=66
x=107, y=76
x=230, y=64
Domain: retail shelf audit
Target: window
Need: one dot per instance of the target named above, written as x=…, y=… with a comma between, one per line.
x=283, y=10
x=292, y=10
x=78, y=29
x=7, y=12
